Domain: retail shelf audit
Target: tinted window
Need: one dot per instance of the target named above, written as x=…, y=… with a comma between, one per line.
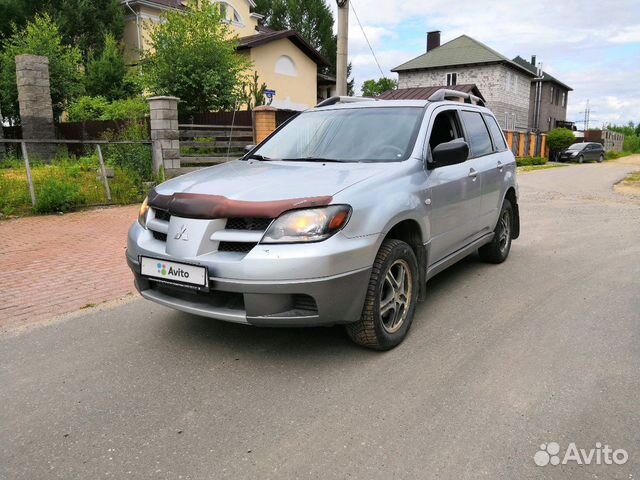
x=496, y=133
x=477, y=133
x=384, y=134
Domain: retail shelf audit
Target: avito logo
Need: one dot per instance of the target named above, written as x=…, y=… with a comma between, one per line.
x=175, y=272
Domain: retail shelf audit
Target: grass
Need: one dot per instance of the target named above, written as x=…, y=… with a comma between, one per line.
x=611, y=155
x=81, y=174
x=532, y=168
x=633, y=179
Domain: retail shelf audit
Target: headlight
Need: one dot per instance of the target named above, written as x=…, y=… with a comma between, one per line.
x=144, y=211
x=307, y=225
x=574, y=153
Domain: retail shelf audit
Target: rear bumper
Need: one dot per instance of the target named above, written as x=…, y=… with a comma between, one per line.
x=313, y=302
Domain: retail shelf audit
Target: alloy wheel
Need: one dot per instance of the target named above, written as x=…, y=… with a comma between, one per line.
x=396, y=296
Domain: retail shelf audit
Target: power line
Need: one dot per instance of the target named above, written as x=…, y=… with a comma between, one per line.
x=353, y=7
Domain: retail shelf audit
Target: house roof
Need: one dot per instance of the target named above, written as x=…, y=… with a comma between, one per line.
x=462, y=50
x=263, y=38
x=545, y=76
x=423, y=93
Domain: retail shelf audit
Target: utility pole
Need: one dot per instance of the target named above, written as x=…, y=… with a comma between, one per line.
x=343, y=47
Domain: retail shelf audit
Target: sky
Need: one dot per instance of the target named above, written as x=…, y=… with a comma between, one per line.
x=594, y=47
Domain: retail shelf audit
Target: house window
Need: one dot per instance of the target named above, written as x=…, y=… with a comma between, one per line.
x=552, y=94
x=230, y=14
x=452, y=79
x=564, y=99
x=286, y=66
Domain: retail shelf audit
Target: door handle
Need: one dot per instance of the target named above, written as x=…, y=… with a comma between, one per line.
x=473, y=173
x=500, y=166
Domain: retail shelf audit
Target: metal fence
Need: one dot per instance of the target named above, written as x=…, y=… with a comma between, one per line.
x=98, y=146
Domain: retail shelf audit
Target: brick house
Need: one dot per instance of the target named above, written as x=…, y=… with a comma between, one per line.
x=505, y=85
x=548, y=100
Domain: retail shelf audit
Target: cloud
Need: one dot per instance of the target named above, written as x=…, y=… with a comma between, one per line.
x=591, y=46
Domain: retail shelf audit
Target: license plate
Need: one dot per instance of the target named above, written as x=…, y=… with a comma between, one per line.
x=174, y=272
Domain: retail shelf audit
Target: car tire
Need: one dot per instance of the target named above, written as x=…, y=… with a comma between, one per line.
x=391, y=298
x=601, y=158
x=581, y=159
x=498, y=249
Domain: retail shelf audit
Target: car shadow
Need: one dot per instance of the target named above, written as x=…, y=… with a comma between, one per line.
x=193, y=331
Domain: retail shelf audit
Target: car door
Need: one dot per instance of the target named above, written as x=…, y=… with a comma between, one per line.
x=494, y=167
x=453, y=190
x=487, y=163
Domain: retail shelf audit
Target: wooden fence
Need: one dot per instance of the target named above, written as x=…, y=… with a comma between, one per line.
x=527, y=144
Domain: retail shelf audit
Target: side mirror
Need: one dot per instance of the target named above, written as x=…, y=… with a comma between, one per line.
x=450, y=153
x=248, y=148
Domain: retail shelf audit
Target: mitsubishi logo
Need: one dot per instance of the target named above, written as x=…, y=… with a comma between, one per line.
x=182, y=234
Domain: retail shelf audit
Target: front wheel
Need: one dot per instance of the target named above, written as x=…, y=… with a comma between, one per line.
x=580, y=159
x=391, y=298
x=498, y=249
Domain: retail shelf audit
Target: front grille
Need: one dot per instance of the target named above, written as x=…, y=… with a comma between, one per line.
x=159, y=236
x=162, y=215
x=240, y=247
x=248, y=223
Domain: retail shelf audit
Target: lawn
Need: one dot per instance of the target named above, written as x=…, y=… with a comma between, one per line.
x=64, y=185
x=533, y=168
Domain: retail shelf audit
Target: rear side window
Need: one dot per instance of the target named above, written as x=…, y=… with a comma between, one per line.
x=496, y=133
x=477, y=133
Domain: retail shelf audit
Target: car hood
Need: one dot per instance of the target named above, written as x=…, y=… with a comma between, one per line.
x=274, y=180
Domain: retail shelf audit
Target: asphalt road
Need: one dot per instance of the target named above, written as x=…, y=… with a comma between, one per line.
x=501, y=359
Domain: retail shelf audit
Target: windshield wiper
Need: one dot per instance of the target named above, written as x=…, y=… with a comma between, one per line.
x=257, y=156
x=312, y=159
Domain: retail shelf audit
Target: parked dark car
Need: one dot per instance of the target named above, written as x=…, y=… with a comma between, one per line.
x=580, y=152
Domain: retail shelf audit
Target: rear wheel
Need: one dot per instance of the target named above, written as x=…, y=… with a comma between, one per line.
x=391, y=298
x=601, y=158
x=498, y=249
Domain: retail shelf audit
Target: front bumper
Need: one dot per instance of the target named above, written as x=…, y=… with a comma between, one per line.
x=330, y=300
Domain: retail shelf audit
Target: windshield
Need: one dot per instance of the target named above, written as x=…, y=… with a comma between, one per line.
x=384, y=134
x=577, y=146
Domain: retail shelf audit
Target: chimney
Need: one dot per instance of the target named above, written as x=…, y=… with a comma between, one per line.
x=533, y=60
x=433, y=40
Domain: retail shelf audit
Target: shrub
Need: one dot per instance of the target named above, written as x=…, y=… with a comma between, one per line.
x=560, y=138
x=107, y=75
x=134, y=157
x=632, y=144
x=58, y=196
x=526, y=161
x=87, y=108
x=98, y=108
x=135, y=108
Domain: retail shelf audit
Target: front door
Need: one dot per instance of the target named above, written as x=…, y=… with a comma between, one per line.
x=454, y=191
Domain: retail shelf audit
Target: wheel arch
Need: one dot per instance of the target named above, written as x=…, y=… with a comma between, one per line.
x=410, y=232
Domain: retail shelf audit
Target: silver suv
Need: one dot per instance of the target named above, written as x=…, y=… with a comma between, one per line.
x=341, y=216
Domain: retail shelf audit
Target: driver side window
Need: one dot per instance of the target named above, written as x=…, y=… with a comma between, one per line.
x=446, y=127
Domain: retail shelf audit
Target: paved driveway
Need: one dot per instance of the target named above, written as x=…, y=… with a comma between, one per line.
x=500, y=360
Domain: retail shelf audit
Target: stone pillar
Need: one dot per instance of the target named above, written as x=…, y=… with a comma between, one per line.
x=34, y=96
x=165, y=137
x=264, y=122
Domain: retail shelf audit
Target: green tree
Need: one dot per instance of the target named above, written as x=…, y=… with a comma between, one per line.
x=560, y=138
x=373, y=88
x=40, y=37
x=81, y=23
x=108, y=76
x=193, y=57
x=87, y=23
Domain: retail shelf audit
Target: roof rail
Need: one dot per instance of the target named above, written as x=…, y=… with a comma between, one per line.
x=334, y=100
x=445, y=94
